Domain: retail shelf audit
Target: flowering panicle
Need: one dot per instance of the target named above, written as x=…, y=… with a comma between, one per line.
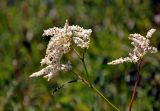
x=141, y=47
x=60, y=44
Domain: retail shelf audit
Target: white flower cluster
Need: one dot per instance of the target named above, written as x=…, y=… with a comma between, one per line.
x=60, y=44
x=141, y=47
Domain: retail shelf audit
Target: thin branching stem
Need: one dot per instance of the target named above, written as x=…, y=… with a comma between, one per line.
x=102, y=96
x=82, y=59
x=80, y=77
x=88, y=84
x=85, y=68
x=135, y=86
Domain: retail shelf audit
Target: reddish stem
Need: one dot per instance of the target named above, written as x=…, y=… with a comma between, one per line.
x=134, y=93
x=135, y=86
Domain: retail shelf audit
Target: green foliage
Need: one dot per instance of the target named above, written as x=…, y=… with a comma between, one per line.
x=22, y=47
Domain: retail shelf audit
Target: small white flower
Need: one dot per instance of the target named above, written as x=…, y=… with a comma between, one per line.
x=150, y=32
x=141, y=47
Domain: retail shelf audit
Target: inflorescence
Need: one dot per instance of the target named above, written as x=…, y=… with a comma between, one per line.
x=141, y=47
x=62, y=39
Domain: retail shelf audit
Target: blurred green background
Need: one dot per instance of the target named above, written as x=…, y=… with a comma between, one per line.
x=22, y=47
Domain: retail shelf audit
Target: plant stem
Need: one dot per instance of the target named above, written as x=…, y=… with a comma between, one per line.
x=77, y=53
x=92, y=86
x=100, y=94
x=135, y=86
x=134, y=93
x=88, y=83
x=85, y=68
x=82, y=60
